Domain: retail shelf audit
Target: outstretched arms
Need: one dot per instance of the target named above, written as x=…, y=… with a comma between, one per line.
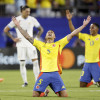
x=76, y=31
x=23, y=32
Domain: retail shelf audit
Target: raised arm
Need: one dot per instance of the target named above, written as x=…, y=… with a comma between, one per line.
x=76, y=31
x=23, y=32
x=69, y=17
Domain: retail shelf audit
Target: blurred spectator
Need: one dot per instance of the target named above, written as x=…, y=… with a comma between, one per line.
x=10, y=7
x=50, y=8
x=78, y=43
x=87, y=6
x=72, y=3
x=55, y=8
x=7, y=7
x=33, y=5
x=98, y=3
x=59, y=7
x=2, y=7
x=44, y=8
x=19, y=3
x=68, y=3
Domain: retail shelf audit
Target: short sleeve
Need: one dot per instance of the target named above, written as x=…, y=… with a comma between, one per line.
x=11, y=25
x=38, y=44
x=36, y=23
x=82, y=36
x=62, y=42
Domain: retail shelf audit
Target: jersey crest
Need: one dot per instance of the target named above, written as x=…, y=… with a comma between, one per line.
x=53, y=45
x=97, y=39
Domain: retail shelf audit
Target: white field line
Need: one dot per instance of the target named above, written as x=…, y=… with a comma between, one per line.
x=15, y=90
x=67, y=90
x=84, y=90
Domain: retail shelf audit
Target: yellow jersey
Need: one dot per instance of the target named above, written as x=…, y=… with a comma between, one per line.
x=32, y=3
x=45, y=4
x=9, y=1
x=50, y=53
x=92, y=47
x=60, y=2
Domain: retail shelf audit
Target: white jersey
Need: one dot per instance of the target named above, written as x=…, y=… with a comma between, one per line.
x=26, y=24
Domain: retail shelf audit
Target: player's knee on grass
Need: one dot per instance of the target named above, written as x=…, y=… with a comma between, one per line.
x=36, y=94
x=83, y=84
x=62, y=93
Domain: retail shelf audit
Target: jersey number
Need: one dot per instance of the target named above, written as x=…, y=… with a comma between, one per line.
x=40, y=81
x=91, y=43
x=82, y=73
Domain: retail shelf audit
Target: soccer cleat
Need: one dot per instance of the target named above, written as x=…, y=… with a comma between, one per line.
x=25, y=84
x=46, y=93
x=97, y=84
x=89, y=84
x=42, y=94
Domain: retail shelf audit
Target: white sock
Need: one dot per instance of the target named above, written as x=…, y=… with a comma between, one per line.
x=23, y=71
x=36, y=69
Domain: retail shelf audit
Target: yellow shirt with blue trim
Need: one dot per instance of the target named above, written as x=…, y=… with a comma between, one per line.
x=50, y=54
x=92, y=47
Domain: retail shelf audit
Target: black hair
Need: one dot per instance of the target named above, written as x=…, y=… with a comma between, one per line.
x=96, y=25
x=23, y=7
x=52, y=31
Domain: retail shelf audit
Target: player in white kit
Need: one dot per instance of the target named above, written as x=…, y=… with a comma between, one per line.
x=25, y=50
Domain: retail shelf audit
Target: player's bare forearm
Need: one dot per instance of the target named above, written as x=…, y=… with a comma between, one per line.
x=9, y=35
x=25, y=34
x=40, y=32
x=75, y=32
x=69, y=17
x=71, y=26
x=6, y=31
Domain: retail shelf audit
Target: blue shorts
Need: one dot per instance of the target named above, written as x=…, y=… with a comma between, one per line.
x=51, y=79
x=90, y=71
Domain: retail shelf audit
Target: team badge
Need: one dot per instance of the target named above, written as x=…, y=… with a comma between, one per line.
x=53, y=45
x=97, y=39
x=63, y=87
x=37, y=87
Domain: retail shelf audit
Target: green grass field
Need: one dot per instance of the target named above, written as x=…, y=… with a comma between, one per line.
x=10, y=88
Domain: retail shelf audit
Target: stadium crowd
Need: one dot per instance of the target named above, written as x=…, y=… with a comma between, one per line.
x=50, y=8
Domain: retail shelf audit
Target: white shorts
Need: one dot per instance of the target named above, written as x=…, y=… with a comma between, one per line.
x=24, y=53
